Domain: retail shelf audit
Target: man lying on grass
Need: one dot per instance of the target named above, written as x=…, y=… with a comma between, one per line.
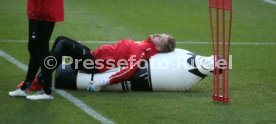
x=104, y=58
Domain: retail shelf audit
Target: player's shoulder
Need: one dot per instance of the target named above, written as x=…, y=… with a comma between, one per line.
x=126, y=41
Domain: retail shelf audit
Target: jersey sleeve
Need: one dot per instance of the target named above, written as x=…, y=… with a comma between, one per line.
x=134, y=62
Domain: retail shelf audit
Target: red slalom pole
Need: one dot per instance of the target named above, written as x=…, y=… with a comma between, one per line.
x=221, y=47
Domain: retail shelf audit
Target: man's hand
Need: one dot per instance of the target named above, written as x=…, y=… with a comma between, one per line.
x=104, y=82
x=96, y=86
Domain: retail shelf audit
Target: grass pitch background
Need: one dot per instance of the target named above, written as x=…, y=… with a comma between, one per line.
x=252, y=79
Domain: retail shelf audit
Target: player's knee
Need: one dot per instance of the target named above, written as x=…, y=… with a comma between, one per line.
x=59, y=41
x=60, y=38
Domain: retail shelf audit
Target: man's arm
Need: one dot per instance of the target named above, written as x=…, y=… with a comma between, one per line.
x=134, y=63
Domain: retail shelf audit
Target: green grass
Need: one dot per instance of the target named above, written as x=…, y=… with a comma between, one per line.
x=252, y=79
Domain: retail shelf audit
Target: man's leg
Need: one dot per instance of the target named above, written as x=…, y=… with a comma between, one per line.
x=34, y=56
x=38, y=46
x=64, y=46
x=43, y=51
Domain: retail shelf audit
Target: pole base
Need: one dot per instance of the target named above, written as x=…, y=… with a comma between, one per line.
x=222, y=99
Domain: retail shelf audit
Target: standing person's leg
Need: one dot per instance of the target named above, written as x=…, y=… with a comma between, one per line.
x=38, y=46
x=39, y=36
x=45, y=30
x=34, y=58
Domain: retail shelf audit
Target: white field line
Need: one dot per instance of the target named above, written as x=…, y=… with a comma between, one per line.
x=90, y=111
x=178, y=42
x=271, y=2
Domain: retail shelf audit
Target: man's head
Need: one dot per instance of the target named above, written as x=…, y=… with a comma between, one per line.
x=163, y=42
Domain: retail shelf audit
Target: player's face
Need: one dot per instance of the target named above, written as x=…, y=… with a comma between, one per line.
x=160, y=40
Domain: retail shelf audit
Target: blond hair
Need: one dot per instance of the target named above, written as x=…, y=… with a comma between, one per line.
x=170, y=46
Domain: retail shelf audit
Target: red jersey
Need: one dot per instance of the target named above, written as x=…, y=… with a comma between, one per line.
x=125, y=50
x=46, y=10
